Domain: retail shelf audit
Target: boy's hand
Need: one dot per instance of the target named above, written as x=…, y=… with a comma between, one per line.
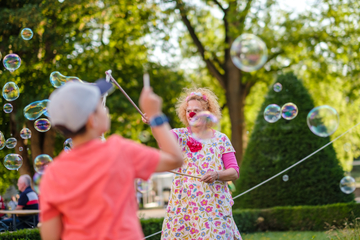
x=150, y=103
x=146, y=119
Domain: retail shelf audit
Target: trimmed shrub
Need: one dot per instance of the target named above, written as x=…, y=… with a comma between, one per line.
x=275, y=146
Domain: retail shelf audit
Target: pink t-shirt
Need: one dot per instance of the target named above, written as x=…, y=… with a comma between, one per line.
x=92, y=188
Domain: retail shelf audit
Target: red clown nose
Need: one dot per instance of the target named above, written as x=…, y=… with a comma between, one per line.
x=192, y=114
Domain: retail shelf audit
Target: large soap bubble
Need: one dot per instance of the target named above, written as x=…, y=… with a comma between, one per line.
x=10, y=143
x=347, y=184
x=26, y=33
x=143, y=186
x=36, y=181
x=203, y=122
x=35, y=109
x=289, y=111
x=13, y=161
x=8, y=108
x=2, y=141
x=25, y=133
x=10, y=91
x=248, y=52
x=323, y=120
x=57, y=79
x=42, y=125
x=12, y=62
x=41, y=162
x=144, y=136
x=68, y=144
x=272, y=113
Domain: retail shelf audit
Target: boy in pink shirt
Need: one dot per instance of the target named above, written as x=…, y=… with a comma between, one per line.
x=88, y=192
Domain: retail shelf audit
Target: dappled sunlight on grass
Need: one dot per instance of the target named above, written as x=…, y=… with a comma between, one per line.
x=286, y=236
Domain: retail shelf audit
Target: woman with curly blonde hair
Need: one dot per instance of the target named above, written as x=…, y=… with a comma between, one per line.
x=201, y=208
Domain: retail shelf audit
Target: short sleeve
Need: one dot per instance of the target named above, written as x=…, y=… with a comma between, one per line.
x=144, y=159
x=47, y=209
x=23, y=200
x=227, y=146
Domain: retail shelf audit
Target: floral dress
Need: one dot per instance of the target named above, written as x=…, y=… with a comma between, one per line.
x=199, y=210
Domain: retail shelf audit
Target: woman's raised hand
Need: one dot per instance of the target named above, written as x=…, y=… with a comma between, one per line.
x=209, y=177
x=145, y=120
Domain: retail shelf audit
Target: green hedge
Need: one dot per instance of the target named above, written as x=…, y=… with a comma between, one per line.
x=300, y=218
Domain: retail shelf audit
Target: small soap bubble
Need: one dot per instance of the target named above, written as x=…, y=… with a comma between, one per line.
x=35, y=109
x=12, y=62
x=144, y=136
x=68, y=144
x=25, y=133
x=8, y=108
x=347, y=184
x=203, y=122
x=36, y=182
x=285, y=178
x=347, y=147
x=248, y=52
x=289, y=111
x=10, y=91
x=323, y=120
x=143, y=186
x=277, y=87
x=42, y=125
x=10, y=143
x=2, y=141
x=27, y=33
x=57, y=79
x=13, y=161
x=272, y=113
x=41, y=162
x=21, y=149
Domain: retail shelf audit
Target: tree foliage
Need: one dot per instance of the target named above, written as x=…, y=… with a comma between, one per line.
x=274, y=147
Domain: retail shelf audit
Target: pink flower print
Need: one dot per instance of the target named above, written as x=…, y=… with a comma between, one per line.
x=207, y=225
x=222, y=149
x=211, y=150
x=189, y=155
x=205, y=165
x=176, y=190
x=178, y=210
x=217, y=223
x=177, y=182
x=208, y=209
x=215, y=230
x=223, y=138
x=199, y=156
x=190, y=164
x=197, y=171
x=203, y=202
x=181, y=228
x=193, y=231
x=216, y=195
x=222, y=232
x=199, y=193
x=174, y=229
x=191, y=186
x=188, y=192
x=218, y=187
x=186, y=217
x=192, y=203
x=217, y=206
x=228, y=149
x=222, y=197
x=168, y=225
x=219, y=168
x=195, y=209
x=219, y=155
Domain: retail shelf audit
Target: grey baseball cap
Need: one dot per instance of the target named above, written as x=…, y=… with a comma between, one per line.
x=72, y=104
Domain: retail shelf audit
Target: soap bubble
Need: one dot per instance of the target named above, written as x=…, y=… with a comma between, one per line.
x=2, y=141
x=26, y=33
x=42, y=125
x=25, y=133
x=203, y=122
x=248, y=52
x=57, y=79
x=143, y=186
x=10, y=143
x=12, y=62
x=347, y=147
x=272, y=113
x=13, y=161
x=35, y=109
x=68, y=144
x=285, y=178
x=41, y=162
x=36, y=182
x=21, y=149
x=277, y=87
x=8, y=108
x=289, y=111
x=10, y=91
x=347, y=184
x=323, y=120
x=144, y=136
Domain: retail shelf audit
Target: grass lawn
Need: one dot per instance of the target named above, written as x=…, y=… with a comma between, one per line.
x=286, y=236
